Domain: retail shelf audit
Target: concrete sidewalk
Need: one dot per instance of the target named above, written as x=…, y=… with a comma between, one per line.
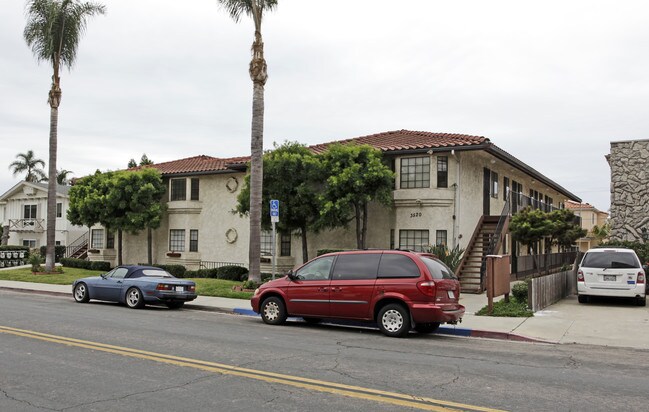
x=607, y=323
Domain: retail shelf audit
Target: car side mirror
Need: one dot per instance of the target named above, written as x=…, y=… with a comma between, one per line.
x=291, y=275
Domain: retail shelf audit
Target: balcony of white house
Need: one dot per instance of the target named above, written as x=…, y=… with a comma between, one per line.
x=27, y=225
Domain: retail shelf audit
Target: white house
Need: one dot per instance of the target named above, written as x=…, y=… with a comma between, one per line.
x=23, y=212
x=449, y=188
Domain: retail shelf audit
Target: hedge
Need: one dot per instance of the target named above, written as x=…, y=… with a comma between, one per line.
x=14, y=247
x=86, y=264
x=232, y=272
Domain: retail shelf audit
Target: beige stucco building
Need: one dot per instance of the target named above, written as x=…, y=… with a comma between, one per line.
x=590, y=217
x=444, y=185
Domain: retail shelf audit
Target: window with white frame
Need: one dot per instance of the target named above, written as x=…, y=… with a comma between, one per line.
x=177, y=240
x=441, y=237
x=494, y=184
x=97, y=238
x=442, y=171
x=415, y=172
x=29, y=212
x=59, y=210
x=30, y=243
x=413, y=239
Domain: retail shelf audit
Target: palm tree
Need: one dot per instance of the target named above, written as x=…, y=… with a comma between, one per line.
x=62, y=176
x=27, y=162
x=53, y=30
x=258, y=75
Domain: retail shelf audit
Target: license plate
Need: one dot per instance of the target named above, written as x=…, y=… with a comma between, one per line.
x=451, y=294
x=609, y=278
x=180, y=288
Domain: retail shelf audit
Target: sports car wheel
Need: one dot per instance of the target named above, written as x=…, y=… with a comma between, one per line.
x=134, y=299
x=394, y=320
x=175, y=305
x=81, y=293
x=273, y=311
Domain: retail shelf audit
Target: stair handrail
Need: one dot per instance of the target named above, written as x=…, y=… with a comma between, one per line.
x=496, y=239
x=469, y=246
x=76, y=245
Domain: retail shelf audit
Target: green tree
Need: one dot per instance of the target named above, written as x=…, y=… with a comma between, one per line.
x=601, y=232
x=131, y=164
x=62, y=176
x=144, y=161
x=53, y=30
x=258, y=75
x=356, y=176
x=530, y=226
x=30, y=165
x=291, y=176
x=123, y=201
x=565, y=229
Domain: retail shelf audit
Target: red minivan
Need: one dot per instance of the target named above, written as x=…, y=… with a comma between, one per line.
x=398, y=290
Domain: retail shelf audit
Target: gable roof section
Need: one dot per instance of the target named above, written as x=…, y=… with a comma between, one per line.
x=61, y=190
x=199, y=165
x=401, y=141
x=394, y=143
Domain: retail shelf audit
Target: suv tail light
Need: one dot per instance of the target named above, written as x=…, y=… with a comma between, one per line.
x=580, y=276
x=641, y=277
x=427, y=287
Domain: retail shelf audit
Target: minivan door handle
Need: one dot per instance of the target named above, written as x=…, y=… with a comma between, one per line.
x=323, y=289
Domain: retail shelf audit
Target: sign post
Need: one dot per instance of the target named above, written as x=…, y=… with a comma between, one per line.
x=274, y=218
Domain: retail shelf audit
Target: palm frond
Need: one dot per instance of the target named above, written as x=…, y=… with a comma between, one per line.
x=236, y=8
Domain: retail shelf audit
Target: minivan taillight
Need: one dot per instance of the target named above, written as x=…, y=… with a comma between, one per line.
x=641, y=278
x=580, y=276
x=427, y=287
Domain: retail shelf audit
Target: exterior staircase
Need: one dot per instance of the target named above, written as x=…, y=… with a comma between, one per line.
x=79, y=248
x=471, y=268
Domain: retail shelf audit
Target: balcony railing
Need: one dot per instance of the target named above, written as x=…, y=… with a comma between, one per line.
x=26, y=225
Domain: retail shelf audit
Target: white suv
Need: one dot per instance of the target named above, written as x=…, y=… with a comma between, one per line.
x=611, y=272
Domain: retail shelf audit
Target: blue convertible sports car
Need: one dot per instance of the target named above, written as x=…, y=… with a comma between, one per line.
x=136, y=286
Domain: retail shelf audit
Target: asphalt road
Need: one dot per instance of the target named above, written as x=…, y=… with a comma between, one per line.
x=58, y=355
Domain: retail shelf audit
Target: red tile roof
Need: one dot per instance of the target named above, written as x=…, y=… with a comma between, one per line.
x=399, y=140
x=576, y=205
x=198, y=164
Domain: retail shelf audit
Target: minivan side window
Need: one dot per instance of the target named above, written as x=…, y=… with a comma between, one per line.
x=438, y=269
x=397, y=266
x=356, y=266
x=316, y=270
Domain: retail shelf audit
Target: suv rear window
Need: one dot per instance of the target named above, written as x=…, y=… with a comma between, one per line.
x=610, y=260
x=438, y=269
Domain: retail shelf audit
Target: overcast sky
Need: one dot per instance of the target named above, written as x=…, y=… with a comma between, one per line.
x=551, y=82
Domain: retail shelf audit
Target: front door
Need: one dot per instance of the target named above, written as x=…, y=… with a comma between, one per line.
x=308, y=294
x=486, y=192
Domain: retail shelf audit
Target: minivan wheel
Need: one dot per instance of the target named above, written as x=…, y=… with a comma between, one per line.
x=429, y=327
x=273, y=311
x=582, y=299
x=394, y=320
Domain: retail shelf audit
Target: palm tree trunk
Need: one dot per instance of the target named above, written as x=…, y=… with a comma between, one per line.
x=364, y=228
x=119, y=247
x=359, y=234
x=256, y=181
x=54, y=101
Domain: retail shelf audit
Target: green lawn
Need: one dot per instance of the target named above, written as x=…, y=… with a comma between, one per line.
x=204, y=287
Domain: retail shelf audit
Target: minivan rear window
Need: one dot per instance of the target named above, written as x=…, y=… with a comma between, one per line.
x=438, y=269
x=610, y=260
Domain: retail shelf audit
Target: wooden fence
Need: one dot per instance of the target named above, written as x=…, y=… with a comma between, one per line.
x=545, y=290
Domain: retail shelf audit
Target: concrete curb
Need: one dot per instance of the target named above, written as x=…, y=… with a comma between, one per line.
x=443, y=330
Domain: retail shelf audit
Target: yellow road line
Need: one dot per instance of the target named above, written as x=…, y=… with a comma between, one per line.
x=305, y=383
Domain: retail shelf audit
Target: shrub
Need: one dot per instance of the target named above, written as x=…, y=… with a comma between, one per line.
x=14, y=247
x=35, y=261
x=251, y=284
x=59, y=252
x=232, y=272
x=519, y=291
x=450, y=257
x=100, y=265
